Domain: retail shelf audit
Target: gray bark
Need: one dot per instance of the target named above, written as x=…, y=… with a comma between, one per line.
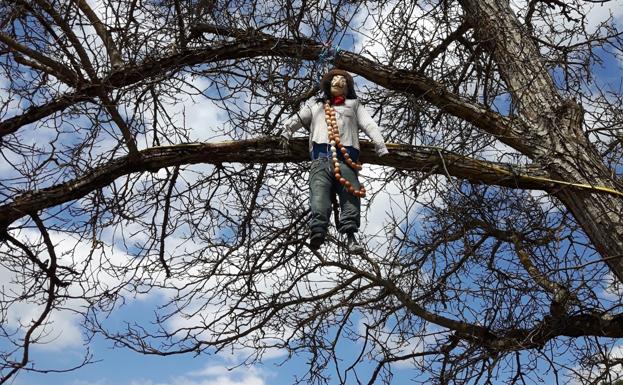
x=553, y=127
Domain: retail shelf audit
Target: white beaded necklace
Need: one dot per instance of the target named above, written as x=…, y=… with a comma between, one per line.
x=334, y=140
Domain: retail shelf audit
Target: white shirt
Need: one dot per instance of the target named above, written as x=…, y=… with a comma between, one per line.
x=350, y=116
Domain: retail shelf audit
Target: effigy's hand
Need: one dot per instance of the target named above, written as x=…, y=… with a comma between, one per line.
x=382, y=151
x=284, y=143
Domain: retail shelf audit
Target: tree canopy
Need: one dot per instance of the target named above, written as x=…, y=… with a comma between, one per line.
x=499, y=252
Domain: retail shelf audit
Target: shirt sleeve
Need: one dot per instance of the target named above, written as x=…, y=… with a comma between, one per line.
x=296, y=121
x=371, y=129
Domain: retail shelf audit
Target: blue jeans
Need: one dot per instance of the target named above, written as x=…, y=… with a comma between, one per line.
x=322, y=185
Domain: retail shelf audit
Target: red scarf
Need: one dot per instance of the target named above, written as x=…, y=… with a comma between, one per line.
x=336, y=101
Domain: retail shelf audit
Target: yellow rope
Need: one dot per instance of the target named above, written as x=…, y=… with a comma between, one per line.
x=559, y=182
x=577, y=185
x=584, y=186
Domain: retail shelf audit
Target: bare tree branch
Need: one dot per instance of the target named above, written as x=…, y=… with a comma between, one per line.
x=115, y=57
x=267, y=150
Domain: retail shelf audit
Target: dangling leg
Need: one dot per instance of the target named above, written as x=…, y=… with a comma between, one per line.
x=350, y=206
x=320, y=185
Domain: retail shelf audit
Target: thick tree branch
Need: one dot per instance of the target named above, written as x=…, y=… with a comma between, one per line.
x=519, y=59
x=69, y=33
x=506, y=130
x=267, y=150
x=560, y=294
x=587, y=324
x=102, y=31
x=36, y=113
x=54, y=68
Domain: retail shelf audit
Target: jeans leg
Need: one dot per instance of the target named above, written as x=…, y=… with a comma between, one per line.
x=350, y=205
x=320, y=190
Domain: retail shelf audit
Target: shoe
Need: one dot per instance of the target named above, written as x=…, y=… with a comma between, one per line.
x=352, y=244
x=316, y=240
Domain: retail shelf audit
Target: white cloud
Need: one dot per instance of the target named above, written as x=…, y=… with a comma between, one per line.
x=98, y=382
x=580, y=375
x=389, y=337
x=613, y=290
x=601, y=12
x=63, y=327
x=202, y=115
x=596, y=14
x=368, y=37
x=214, y=375
x=193, y=110
x=389, y=199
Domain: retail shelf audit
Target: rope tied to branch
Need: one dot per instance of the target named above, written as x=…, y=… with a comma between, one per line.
x=327, y=56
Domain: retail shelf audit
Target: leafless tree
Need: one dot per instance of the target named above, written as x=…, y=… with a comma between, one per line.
x=502, y=251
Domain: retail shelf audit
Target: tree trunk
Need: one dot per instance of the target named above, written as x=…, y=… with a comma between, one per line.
x=553, y=127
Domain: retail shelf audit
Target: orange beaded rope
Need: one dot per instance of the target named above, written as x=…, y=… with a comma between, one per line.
x=334, y=140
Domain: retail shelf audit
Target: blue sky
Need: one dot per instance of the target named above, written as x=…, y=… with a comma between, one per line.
x=115, y=365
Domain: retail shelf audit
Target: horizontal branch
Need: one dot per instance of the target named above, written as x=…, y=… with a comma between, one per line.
x=265, y=150
x=598, y=324
x=577, y=325
x=132, y=74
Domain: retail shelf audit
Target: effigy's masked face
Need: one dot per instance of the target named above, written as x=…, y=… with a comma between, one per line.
x=338, y=85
